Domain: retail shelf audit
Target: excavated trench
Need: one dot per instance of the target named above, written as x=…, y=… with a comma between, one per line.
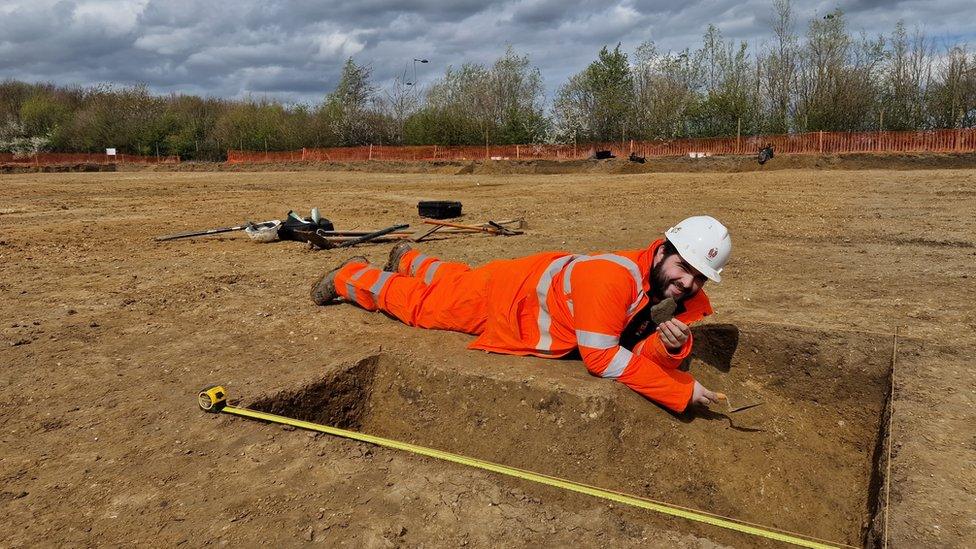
x=808, y=459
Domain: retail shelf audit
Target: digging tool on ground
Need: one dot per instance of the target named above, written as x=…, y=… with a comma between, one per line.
x=373, y=235
x=424, y=232
x=293, y=227
x=353, y=234
x=493, y=228
x=518, y=222
x=472, y=228
x=415, y=236
x=502, y=229
x=731, y=409
x=205, y=232
x=336, y=241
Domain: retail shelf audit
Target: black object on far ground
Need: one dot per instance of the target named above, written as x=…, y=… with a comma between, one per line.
x=294, y=222
x=603, y=155
x=299, y=229
x=439, y=209
x=765, y=153
x=638, y=159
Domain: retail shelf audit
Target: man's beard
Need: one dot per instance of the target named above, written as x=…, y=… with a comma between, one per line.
x=659, y=283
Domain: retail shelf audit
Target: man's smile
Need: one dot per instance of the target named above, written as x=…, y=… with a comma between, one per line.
x=675, y=291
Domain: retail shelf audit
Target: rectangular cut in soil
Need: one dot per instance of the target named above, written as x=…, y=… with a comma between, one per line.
x=804, y=460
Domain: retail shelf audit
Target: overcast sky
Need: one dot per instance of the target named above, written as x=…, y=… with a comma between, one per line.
x=293, y=50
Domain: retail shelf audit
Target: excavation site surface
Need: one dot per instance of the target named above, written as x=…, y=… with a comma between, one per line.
x=802, y=460
x=857, y=436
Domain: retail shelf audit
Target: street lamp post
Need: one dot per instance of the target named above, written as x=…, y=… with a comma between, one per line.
x=415, y=61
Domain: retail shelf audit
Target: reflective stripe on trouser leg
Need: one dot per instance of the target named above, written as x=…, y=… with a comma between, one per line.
x=350, y=290
x=365, y=286
x=439, y=270
x=427, y=267
x=431, y=271
x=457, y=300
x=412, y=261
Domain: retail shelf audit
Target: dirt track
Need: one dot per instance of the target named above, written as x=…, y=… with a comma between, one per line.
x=107, y=336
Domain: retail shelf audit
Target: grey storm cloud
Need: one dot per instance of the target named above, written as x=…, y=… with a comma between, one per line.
x=294, y=50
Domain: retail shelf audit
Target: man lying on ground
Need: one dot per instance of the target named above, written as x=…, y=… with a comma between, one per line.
x=552, y=303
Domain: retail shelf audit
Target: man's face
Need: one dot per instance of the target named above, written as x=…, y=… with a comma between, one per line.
x=674, y=277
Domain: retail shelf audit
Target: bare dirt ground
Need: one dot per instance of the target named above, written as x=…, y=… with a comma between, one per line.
x=107, y=336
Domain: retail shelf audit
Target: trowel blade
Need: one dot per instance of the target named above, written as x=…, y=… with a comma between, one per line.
x=746, y=407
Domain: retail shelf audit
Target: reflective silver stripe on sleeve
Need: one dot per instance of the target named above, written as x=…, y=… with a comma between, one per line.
x=431, y=269
x=618, y=364
x=596, y=340
x=377, y=286
x=350, y=289
x=541, y=291
x=415, y=264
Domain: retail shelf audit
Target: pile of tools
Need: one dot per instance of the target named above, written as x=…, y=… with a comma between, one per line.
x=321, y=234
x=344, y=239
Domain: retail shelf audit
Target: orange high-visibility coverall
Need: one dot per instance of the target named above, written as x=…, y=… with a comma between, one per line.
x=546, y=305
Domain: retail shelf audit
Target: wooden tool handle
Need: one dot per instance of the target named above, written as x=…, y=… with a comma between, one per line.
x=459, y=226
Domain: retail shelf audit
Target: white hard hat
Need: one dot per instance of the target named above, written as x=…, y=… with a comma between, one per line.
x=704, y=243
x=263, y=232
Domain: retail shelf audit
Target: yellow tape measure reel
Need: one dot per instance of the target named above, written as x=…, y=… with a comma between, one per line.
x=212, y=399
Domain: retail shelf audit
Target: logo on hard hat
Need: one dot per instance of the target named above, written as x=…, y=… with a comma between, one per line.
x=712, y=253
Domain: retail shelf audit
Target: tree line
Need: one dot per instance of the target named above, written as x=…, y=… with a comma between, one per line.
x=821, y=78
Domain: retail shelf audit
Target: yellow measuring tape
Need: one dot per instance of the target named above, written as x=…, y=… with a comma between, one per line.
x=214, y=399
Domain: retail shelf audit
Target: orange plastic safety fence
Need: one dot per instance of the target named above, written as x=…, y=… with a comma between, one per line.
x=43, y=159
x=936, y=141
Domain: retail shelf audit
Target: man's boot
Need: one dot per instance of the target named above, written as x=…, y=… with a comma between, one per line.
x=324, y=290
x=396, y=254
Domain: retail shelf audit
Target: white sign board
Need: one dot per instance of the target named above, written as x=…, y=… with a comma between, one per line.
x=110, y=152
